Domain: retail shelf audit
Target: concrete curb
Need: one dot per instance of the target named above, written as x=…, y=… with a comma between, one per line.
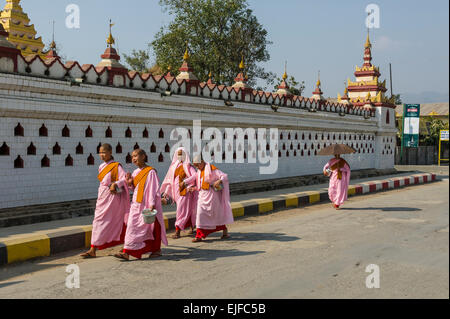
x=33, y=246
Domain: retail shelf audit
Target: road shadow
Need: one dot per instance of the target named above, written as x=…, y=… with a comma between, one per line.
x=252, y=237
x=201, y=253
x=25, y=267
x=5, y=284
x=386, y=209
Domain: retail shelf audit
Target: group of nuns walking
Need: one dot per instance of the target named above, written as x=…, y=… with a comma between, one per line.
x=199, y=189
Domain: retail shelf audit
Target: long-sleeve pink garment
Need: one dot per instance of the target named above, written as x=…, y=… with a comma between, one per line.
x=213, y=208
x=137, y=231
x=186, y=205
x=338, y=188
x=111, y=211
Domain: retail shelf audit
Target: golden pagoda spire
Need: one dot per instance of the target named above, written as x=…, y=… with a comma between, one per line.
x=242, y=65
x=186, y=53
x=285, y=76
x=53, y=44
x=22, y=33
x=368, y=44
x=110, y=40
x=318, y=81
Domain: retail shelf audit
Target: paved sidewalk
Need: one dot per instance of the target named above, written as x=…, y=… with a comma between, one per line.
x=25, y=242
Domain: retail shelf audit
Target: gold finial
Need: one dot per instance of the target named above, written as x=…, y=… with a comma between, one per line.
x=345, y=91
x=368, y=96
x=110, y=40
x=285, y=71
x=186, y=53
x=210, y=74
x=242, y=65
x=53, y=44
x=318, y=81
x=169, y=68
x=368, y=44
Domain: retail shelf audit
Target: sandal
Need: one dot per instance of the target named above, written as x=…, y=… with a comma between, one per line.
x=122, y=256
x=176, y=236
x=225, y=237
x=87, y=255
x=155, y=255
x=197, y=240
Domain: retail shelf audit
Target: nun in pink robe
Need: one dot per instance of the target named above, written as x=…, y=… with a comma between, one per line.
x=186, y=201
x=111, y=211
x=213, y=208
x=142, y=238
x=339, y=180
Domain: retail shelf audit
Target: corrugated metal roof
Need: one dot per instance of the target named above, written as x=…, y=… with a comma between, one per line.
x=428, y=109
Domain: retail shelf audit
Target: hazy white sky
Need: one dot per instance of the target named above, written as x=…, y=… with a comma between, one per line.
x=311, y=35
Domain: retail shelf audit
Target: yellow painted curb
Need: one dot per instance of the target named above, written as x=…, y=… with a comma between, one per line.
x=34, y=246
x=292, y=201
x=314, y=198
x=265, y=205
x=87, y=235
x=238, y=210
x=351, y=190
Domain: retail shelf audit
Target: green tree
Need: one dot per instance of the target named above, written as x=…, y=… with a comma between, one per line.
x=219, y=33
x=138, y=60
x=434, y=127
x=397, y=99
x=295, y=87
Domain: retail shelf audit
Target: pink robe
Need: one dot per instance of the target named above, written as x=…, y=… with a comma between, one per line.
x=186, y=205
x=111, y=212
x=213, y=208
x=139, y=232
x=338, y=189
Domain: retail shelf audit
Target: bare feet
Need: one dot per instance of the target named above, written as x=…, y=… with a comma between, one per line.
x=197, y=240
x=191, y=232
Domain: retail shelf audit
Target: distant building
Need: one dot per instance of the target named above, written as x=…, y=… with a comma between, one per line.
x=428, y=111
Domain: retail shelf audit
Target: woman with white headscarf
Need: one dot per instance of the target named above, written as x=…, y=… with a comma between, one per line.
x=213, y=209
x=186, y=201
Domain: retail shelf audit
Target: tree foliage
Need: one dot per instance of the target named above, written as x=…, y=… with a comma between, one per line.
x=434, y=126
x=397, y=99
x=138, y=60
x=219, y=33
x=295, y=87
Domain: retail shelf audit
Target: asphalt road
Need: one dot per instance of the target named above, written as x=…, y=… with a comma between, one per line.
x=313, y=252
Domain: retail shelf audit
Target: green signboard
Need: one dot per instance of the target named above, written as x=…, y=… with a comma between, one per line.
x=411, y=120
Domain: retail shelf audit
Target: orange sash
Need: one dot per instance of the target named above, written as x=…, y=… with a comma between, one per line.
x=338, y=165
x=205, y=185
x=139, y=182
x=113, y=168
x=180, y=173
